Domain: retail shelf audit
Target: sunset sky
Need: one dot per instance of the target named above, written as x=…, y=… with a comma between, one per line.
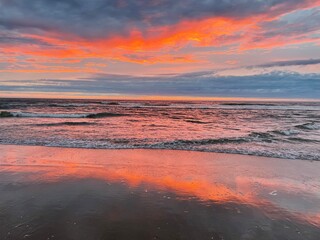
x=189, y=48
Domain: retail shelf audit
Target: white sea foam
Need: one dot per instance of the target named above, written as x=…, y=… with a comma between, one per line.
x=287, y=132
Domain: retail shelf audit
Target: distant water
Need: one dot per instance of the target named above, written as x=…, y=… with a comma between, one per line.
x=274, y=129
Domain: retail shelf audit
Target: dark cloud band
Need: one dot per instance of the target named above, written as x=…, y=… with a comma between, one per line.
x=304, y=62
x=201, y=84
x=101, y=18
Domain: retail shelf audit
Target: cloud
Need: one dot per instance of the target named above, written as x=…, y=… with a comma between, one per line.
x=8, y=38
x=151, y=31
x=198, y=84
x=102, y=18
x=295, y=27
x=303, y=62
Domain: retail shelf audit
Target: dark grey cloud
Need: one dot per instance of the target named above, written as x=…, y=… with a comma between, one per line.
x=294, y=26
x=100, y=18
x=7, y=38
x=303, y=62
x=205, y=84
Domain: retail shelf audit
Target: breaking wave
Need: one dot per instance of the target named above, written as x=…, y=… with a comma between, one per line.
x=309, y=126
x=64, y=124
x=58, y=115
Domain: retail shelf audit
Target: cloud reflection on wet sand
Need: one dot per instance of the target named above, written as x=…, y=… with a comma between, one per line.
x=229, y=196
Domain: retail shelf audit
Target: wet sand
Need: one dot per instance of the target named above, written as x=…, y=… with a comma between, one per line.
x=60, y=193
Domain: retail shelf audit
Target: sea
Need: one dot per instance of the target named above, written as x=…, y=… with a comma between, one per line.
x=280, y=129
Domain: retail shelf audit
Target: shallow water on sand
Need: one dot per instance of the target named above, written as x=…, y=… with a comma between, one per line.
x=54, y=193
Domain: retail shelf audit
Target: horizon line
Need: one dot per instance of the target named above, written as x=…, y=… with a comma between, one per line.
x=145, y=97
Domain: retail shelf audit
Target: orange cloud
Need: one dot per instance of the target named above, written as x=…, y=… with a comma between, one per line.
x=161, y=44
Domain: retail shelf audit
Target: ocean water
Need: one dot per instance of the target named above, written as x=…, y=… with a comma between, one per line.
x=274, y=129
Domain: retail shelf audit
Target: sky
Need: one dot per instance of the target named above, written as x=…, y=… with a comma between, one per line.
x=160, y=48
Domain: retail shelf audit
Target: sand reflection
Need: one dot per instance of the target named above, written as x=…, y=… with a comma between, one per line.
x=282, y=188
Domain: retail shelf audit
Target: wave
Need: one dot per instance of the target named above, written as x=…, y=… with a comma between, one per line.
x=64, y=124
x=247, y=104
x=268, y=144
x=254, y=136
x=175, y=145
x=111, y=103
x=67, y=104
x=199, y=142
x=304, y=140
x=5, y=114
x=83, y=104
x=4, y=106
x=288, y=132
x=262, y=137
x=195, y=121
x=105, y=114
x=157, y=104
x=309, y=126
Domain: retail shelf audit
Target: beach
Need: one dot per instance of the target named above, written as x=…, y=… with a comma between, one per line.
x=159, y=120
x=70, y=193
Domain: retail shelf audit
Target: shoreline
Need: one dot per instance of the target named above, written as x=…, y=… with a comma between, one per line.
x=72, y=193
x=164, y=149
